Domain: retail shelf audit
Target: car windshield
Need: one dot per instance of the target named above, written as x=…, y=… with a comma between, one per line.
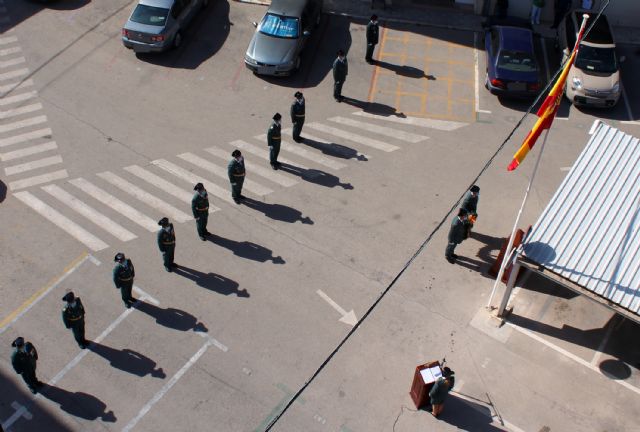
x=517, y=61
x=592, y=59
x=279, y=26
x=149, y=15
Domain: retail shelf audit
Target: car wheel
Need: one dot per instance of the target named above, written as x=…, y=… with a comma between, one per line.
x=205, y=3
x=177, y=39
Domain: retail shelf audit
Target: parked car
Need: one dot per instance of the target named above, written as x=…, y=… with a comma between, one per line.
x=512, y=68
x=157, y=25
x=594, y=78
x=281, y=35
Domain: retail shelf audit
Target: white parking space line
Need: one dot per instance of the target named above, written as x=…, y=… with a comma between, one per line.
x=443, y=125
x=17, y=139
x=12, y=50
x=145, y=197
x=369, y=142
x=160, y=183
x=28, y=151
x=22, y=124
x=250, y=185
x=28, y=166
x=62, y=222
x=13, y=87
x=476, y=66
x=565, y=168
x=13, y=74
x=334, y=147
x=12, y=62
x=380, y=130
x=109, y=200
x=192, y=178
x=113, y=228
x=18, y=98
x=39, y=179
x=19, y=111
x=261, y=152
x=7, y=40
x=269, y=174
x=612, y=326
x=628, y=107
x=296, y=149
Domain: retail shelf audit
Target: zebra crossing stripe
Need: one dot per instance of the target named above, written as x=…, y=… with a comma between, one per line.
x=444, y=125
x=250, y=185
x=12, y=87
x=145, y=197
x=28, y=166
x=161, y=183
x=39, y=179
x=124, y=209
x=7, y=40
x=264, y=154
x=12, y=62
x=18, y=98
x=302, y=152
x=113, y=228
x=19, y=111
x=62, y=222
x=332, y=147
x=190, y=177
x=380, y=130
x=17, y=139
x=28, y=151
x=21, y=124
x=12, y=50
x=13, y=74
x=370, y=142
x=251, y=168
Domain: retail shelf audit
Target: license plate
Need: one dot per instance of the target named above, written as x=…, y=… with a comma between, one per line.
x=517, y=86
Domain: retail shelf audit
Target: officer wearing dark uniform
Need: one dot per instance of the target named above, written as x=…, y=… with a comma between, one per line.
x=236, y=173
x=73, y=318
x=340, y=72
x=200, y=209
x=372, y=37
x=297, y=116
x=457, y=233
x=273, y=141
x=123, y=274
x=167, y=243
x=470, y=204
x=23, y=360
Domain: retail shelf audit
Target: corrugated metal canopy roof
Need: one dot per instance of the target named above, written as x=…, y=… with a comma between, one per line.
x=590, y=231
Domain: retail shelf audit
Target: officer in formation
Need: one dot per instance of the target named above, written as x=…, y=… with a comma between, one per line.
x=123, y=274
x=236, y=173
x=273, y=141
x=297, y=116
x=200, y=209
x=457, y=233
x=24, y=359
x=372, y=37
x=340, y=72
x=470, y=203
x=167, y=243
x=73, y=318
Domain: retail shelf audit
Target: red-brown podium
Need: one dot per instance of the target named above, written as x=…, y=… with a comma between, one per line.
x=423, y=379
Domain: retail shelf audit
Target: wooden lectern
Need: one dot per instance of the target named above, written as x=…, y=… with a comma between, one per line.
x=423, y=379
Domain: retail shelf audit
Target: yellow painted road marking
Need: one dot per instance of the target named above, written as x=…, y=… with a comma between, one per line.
x=31, y=301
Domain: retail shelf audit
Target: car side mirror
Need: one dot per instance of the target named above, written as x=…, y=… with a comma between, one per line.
x=255, y=24
x=306, y=33
x=622, y=59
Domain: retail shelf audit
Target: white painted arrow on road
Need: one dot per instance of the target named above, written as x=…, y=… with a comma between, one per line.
x=348, y=318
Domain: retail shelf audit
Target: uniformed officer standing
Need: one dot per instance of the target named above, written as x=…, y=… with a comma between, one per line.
x=457, y=233
x=236, y=173
x=123, y=274
x=470, y=203
x=297, y=116
x=73, y=318
x=372, y=37
x=273, y=141
x=340, y=72
x=24, y=360
x=200, y=209
x=167, y=243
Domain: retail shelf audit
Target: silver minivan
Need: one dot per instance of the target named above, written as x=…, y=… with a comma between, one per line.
x=594, y=78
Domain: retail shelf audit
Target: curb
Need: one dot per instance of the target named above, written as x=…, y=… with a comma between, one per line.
x=257, y=2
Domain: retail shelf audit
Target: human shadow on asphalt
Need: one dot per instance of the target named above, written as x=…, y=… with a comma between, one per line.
x=405, y=71
x=199, y=42
x=3, y=191
x=468, y=415
x=78, y=404
x=278, y=211
x=315, y=176
x=211, y=281
x=373, y=107
x=333, y=149
x=245, y=249
x=489, y=244
x=474, y=265
x=128, y=360
x=171, y=318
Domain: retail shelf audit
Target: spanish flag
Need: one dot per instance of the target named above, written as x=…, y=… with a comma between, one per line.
x=549, y=107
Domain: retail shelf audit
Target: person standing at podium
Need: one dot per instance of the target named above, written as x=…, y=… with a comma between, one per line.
x=438, y=394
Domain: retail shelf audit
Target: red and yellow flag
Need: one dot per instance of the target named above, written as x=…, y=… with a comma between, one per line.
x=549, y=107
